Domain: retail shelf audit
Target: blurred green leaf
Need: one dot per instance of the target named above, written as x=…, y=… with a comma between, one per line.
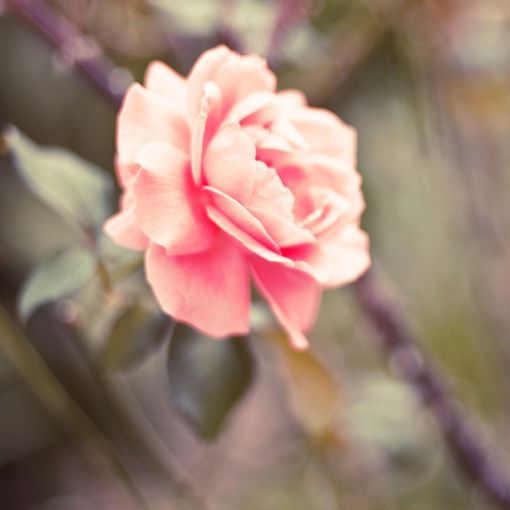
x=208, y=377
x=58, y=277
x=313, y=393
x=135, y=334
x=73, y=187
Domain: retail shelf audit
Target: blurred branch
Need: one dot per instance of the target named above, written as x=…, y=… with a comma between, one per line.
x=150, y=444
x=53, y=396
x=224, y=32
x=398, y=341
x=76, y=50
x=289, y=14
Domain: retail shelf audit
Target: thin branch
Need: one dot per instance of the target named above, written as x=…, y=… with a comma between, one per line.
x=289, y=14
x=225, y=33
x=76, y=50
x=398, y=341
x=60, y=405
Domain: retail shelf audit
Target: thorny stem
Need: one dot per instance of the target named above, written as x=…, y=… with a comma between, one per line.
x=400, y=344
x=394, y=332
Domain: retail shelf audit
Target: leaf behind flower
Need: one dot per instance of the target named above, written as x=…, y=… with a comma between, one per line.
x=58, y=277
x=76, y=189
x=208, y=378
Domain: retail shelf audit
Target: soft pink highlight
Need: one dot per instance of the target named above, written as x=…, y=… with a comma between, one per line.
x=226, y=181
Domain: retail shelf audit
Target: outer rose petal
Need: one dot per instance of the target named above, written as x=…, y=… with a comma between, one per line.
x=202, y=72
x=125, y=173
x=326, y=133
x=237, y=76
x=337, y=261
x=147, y=117
x=293, y=296
x=242, y=76
x=168, y=205
x=291, y=99
x=209, y=290
x=164, y=80
x=123, y=227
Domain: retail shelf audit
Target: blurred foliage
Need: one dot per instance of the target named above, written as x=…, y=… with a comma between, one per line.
x=427, y=85
x=207, y=377
x=134, y=335
x=64, y=274
x=75, y=189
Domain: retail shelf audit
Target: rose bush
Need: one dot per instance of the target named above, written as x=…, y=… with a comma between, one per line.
x=226, y=180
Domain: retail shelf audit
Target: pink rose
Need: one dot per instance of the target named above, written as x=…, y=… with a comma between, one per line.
x=224, y=180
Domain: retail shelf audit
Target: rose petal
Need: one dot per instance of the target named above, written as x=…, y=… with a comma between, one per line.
x=204, y=127
x=230, y=162
x=203, y=71
x=147, y=117
x=326, y=133
x=293, y=296
x=237, y=76
x=337, y=261
x=285, y=233
x=283, y=103
x=264, y=208
x=250, y=105
x=123, y=227
x=125, y=173
x=290, y=99
x=270, y=194
x=241, y=217
x=168, y=206
x=241, y=76
x=209, y=290
x=164, y=80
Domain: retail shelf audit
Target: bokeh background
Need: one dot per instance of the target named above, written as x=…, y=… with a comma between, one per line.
x=87, y=421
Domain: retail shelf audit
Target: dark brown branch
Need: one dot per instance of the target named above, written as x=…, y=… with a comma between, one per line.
x=398, y=341
x=76, y=50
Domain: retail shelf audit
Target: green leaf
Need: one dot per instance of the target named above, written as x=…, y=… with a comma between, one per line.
x=73, y=187
x=313, y=394
x=58, y=277
x=135, y=334
x=208, y=377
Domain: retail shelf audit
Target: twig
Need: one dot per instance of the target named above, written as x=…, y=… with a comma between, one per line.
x=398, y=341
x=77, y=50
x=60, y=405
x=225, y=33
x=290, y=13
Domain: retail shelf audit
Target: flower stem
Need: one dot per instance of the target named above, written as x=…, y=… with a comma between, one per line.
x=397, y=340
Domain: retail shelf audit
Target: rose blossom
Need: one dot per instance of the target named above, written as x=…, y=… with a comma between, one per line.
x=224, y=179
